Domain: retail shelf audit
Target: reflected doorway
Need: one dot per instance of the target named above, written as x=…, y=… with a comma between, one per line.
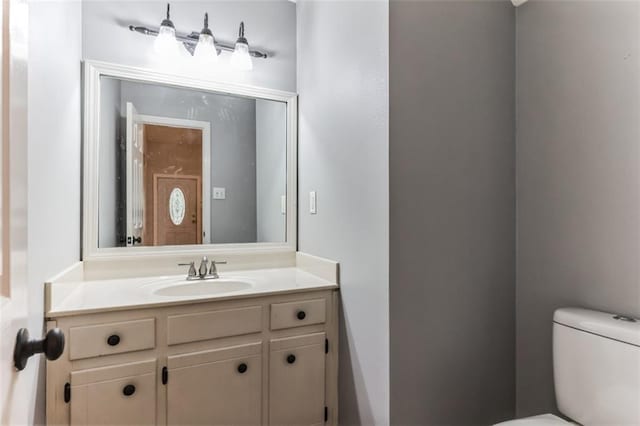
x=167, y=197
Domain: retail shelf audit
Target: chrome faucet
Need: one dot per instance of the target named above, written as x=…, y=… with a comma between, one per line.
x=202, y=270
x=202, y=273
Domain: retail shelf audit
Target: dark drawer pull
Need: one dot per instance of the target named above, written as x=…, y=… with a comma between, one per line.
x=129, y=390
x=242, y=368
x=113, y=340
x=301, y=315
x=291, y=359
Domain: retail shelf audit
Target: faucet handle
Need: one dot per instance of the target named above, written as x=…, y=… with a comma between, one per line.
x=192, y=268
x=214, y=271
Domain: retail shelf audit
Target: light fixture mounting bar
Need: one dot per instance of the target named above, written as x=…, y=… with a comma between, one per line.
x=191, y=40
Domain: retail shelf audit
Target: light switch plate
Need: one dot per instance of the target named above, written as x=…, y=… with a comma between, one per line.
x=219, y=193
x=313, y=207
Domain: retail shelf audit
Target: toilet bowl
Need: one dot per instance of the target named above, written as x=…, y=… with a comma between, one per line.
x=543, y=420
x=596, y=366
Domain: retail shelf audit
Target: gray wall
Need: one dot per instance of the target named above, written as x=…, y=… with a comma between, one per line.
x=108, y=188
x=452, y=212
x=270, y=25
x=271, y=170
x=578, y=165
x=53, y=216
x=233, y=149
x=343, y=155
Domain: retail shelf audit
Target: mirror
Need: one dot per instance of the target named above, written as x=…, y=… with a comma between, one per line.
x=188, y=166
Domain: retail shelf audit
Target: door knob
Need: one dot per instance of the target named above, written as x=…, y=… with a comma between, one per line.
x=52, y=346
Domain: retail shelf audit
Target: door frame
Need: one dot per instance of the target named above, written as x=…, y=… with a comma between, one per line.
x=205, y=184
x=156, y=177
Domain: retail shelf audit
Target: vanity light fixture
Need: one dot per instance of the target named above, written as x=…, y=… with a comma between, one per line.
x=205, y=52
x=165, y=42
x=240, y=59
x=202, y=45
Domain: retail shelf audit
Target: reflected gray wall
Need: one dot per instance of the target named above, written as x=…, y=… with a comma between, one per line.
x=343, y=57
x=452, y=212
x=270, y=25
x=110, y=138
x=271, y=170
x=578, y=163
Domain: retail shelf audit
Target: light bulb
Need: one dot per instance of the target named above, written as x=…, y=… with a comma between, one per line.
x=241, y=59
x=165, y=43
x=205, y=51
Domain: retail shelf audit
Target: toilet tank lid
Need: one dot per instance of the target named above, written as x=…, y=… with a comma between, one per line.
x=612, y=326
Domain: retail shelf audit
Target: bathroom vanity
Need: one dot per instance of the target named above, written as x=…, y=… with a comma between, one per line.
x=176, y=169
x=252, y=347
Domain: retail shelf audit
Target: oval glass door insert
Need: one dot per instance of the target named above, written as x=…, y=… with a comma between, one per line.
x=176, y=206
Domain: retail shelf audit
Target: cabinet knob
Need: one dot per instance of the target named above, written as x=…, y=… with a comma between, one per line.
x=129, y=390
x=301, y=315
x=242, y=368
x=113, y=340
x=291, y=359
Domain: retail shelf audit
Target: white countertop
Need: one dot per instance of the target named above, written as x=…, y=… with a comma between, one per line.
x=84, y=297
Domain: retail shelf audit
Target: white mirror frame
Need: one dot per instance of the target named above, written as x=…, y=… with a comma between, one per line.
x=93, y=70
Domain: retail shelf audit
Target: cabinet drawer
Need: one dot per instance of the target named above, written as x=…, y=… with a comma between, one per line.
x=297, y=314
x=118, y=395
x=213, y=324
x=111, y=338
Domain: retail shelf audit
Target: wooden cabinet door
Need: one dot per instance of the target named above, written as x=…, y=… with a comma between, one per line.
x=297, y=380
x=216, y=387
x=119, y=395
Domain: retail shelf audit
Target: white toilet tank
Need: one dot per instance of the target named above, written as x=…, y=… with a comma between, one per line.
x=596, y=365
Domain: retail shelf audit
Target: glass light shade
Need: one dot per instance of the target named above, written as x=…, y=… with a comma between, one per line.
x=165, y=42
x=205, y=52
x=240, y=59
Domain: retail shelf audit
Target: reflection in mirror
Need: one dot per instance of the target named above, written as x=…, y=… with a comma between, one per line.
x=182, y=166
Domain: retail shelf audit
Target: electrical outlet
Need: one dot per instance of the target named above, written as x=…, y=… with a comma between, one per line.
x=219, y=193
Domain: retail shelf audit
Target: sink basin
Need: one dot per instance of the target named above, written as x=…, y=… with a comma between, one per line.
x=202, y=288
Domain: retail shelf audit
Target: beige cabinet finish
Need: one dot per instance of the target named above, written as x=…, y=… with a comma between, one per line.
x=298, y=314
x=222, y=387
x=211, y=363
x=121, y=395
x=215, y=324
x=297, y=380
x=92, y=341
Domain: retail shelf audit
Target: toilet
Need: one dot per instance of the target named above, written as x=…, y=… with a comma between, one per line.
x=596, y=366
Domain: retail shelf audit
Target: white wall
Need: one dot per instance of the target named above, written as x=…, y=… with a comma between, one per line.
x=270, y=25
x=54, y=159
x=271, y=170
x=343, y=155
